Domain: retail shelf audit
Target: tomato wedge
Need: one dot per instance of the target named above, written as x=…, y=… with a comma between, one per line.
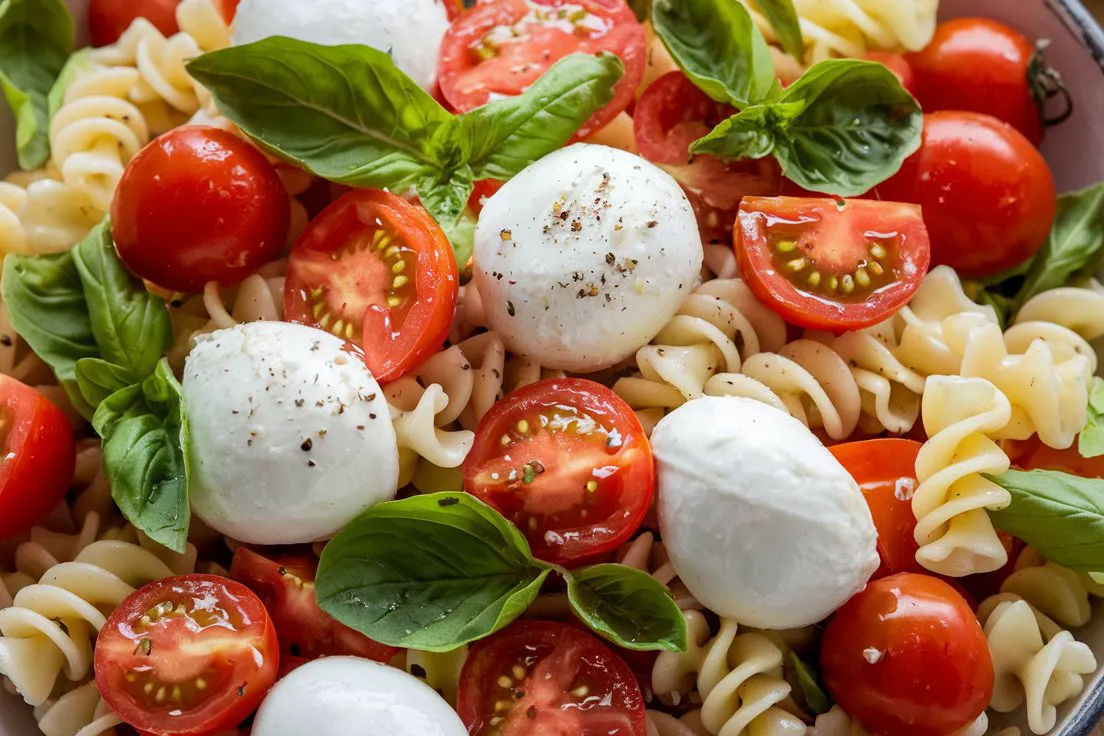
x=186, y=656
x=566, y=460
x=539, y=678
x=835, y=265
x=375, y=269
x=500, y=47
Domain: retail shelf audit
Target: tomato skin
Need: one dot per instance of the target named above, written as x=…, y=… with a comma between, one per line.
x=196, y=205
x=108, y=19
x=987, y=194
x=897, y=64
x=979, y=65
x=1034, y=455
x=39, y=457
x=229, y=8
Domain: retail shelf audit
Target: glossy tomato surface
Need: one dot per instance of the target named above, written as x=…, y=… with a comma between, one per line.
x=38, y=457
x=828, y=264
x=108, y=19
x=566, y=460
x=987, y=194
x=196, y=205
x=1034, y=455
x=539, y=677
x=376, y=270
x=500, y=47
x=187, y=655
x=907, y=657
x=898, y=65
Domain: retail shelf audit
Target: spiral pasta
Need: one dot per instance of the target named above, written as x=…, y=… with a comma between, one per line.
x=1058, y=593
x=836, y=722
x=647, y=554
x=79, y=712
x=441, y=671
x=662, y=724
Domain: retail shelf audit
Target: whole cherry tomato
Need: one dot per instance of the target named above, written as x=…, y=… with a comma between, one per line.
x=108, y=19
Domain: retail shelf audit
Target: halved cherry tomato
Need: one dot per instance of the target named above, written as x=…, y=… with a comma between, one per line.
x=988, y=196
x=567, y=461
x=108, y=19
x=554, y=678
x=186, y=656
x=483, y=190
x=285, y=583
x=907, y=657
x=38, y=458
x=500, y=47
x=896, y=64
x=1034, y=455
x=831, y=265
x=377, y=270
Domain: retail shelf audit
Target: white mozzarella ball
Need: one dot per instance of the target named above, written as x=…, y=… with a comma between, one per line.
x=762, y=523
x=584, y=256
x=290, y=435
x=409, y=30
x=339, y=696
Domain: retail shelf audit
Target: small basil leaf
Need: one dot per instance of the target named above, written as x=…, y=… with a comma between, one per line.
x=345, y=113
x=718, y=46
x=78, y=63
x=446, y=199
x=642, y=9
x=1090, y=443
x=511, y=133
x=99, y=379
x=628, y=607
x=809, y=681
x=428, y=572
x=1060, y=515
x=783, y=18
x=748, y=134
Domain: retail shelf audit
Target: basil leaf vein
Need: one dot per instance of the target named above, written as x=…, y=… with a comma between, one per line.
x=627, y=606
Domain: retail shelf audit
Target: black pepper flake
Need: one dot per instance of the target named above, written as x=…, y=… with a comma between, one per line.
x=299, y=403
x=450, y=501
x=6, y=341
x=531, y=712
x=576, y=226
x=371, y=416
x=360, y=427
x=510, y=309
x=652, y=224
x=321, y=433
x=241, y=690
x=610, y=258
x=307, y=445
x=234, y=412
x=371, y=397
x=311, y=463
x=418, y=671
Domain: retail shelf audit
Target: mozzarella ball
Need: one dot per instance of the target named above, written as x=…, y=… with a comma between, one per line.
x=339, y=696
x=290, y=435
x=409, y=30
x=762, y=523
x=584, y=256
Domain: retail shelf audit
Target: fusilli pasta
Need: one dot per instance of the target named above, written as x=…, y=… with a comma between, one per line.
x=836, y=722
x=441, y=671
x=79, y=712
x=662, y=724
x=646, y=554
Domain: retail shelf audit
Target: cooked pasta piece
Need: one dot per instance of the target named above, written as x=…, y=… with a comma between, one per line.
x=79, y=712
x=439, y=670
x=202, y=20
x=648, y=555
x=662, y=724
x=13, y=236
x=836, y=722
x=1055, y=591
x=55, y=216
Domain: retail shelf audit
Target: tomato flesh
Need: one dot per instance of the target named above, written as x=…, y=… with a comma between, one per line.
x=538, y=678
x=108, y=19
x=566, y=461
x=831, y=265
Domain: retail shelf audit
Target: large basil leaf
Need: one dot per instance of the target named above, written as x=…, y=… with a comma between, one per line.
x=783, y=18
x=716, y=43
x=78, y=63
x=1090, y=443
x=99, y=379
x=428, y=572
x=1075, y=243
x=36, y=37
x=628, y=607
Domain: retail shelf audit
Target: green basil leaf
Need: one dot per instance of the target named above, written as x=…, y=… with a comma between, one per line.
x=36, y=37
x=748, y=134
x=428, y=572
x=1060, y=515
x=1090, y=443
x=808, y=679
x=447, y=200
x=345, y=113
x=628, y=607
x=511, y=133
x=132, y=327
x=78, y=63
x=783, y=18
x=145, y=439
x=718, y=46
x=99, y=379
x=642, y=9
x=45, y=301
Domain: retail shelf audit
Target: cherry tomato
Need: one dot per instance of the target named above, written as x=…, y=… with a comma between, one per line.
x=483, y=191
x=285, y=583
x=196, y=205
x=828, y=266
x=186, y=656
x=567, y=461
x=555, y=680
x=378, y=270
x=1034, y=455
x=38, y=457
x=898, y=65
x=907, y=657
x=228, y=8
x=108, y=19
x=500, y=47
x=988, y=196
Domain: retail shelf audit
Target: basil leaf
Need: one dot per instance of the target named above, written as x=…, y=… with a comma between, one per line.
x=45, y=301
x=784, y=20
x=748, y=134
x=144, y=444
x=99, y=379
x=1090, y=443
x=717, y=45
x=808, y=679
x=78, y=63
x=36, y=37
x=428, y=572
x=628, y=607
x=1061, y=515
x=511, y=133
x=447, y=200
x=132, y=327
x=642, y=9
x=345, y=113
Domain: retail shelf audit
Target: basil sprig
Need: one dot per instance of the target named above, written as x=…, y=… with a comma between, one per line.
x=1090, y=443
x=439, y=571
x=783, y=18
x=809, y=680
x=348, y=114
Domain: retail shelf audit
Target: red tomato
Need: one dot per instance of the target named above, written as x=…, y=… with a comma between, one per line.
x=500, y=47
x=196, y=205
x=39, y=457
x=1034, y=455
x=378, y=270
x=285, y=584
x=980, y=65
x=567, y=461
x=229, y=8
x=907, y=657
x=898, y=65
x=483, y=191
x=107, y=19
x=988, y=196
x=831, y=267
x=187, y=656
x=555, y=679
